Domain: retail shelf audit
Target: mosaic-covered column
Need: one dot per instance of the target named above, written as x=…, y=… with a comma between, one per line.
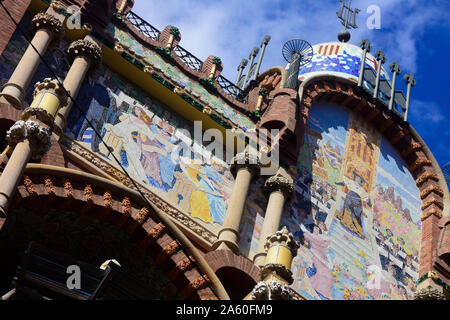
x=279, y=188
x=47, y=27
x=85, y=54
x=245, y=167
x=276, y=274
x=30, y=137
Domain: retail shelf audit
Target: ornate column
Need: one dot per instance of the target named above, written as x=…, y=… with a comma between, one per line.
x=30, y=137
x=279, y=188
x=245, y=167
x=276, y=274
x=47, y=27
x=85, y=54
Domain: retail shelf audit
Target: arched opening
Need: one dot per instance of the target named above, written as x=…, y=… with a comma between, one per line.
x=237, y=283
x=88, y=240
x=273, y=124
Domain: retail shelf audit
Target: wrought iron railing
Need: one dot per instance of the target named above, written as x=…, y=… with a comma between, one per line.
x=188, y=58
x=143, y=26
x=231, y=89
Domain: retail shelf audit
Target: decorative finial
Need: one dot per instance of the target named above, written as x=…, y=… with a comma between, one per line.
x=345, y=14
x=297, y=52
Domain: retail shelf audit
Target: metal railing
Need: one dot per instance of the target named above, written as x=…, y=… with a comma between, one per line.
x=143, y=26
x=188, y=58
x=231, y=89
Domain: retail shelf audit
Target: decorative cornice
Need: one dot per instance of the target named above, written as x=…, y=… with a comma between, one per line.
x=85, y=48
x=47, y=21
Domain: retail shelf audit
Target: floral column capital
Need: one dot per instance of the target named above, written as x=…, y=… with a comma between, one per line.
x=246, y=159
x=85, y=48
x=281, y=181
x=47, y=21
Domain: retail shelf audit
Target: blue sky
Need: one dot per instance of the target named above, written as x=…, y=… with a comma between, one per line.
x=416, y=33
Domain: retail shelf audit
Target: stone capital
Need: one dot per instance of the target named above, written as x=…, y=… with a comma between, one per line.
x=246, y=159
x=38, y=137
x=285, y=238
x=272, y=290
x=49, y=22
x=281, y=181
x=49, y=84
x=429, y=293
x=87, y=49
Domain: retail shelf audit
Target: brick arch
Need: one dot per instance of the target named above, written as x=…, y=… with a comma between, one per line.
x=8, y=112
x=233, y=268
x=93, y=199
x=413, y=150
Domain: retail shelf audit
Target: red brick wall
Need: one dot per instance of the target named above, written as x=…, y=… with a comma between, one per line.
x=429, y=244
x=17, y=9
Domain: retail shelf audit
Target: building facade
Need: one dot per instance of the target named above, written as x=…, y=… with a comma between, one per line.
x=102, y=165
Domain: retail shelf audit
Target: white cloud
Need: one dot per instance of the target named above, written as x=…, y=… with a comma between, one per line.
x=427, y=111
x=230, y=29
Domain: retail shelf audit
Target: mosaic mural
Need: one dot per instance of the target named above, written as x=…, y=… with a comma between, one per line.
x=180, y=78
x=252, y=219
x=140, y=132
x=340, y=59
x=150, y=142
x=356, y=212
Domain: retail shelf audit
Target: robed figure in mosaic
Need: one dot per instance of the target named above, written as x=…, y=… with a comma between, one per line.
x=350, y=216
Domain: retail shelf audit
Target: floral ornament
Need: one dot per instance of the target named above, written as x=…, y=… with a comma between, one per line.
x=174, y=31
x=38, y=137
x=217, y=61
x=262, y=92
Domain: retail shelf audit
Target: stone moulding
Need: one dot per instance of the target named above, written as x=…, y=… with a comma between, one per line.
x=179, y=217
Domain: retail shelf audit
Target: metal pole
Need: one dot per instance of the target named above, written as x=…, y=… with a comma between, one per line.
x=348, y=13
x=252, y=58
x=395, y=69
x=240, y=69
x=379, y=56
x=263, y=49
x=411, y=83
x=365, y=45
